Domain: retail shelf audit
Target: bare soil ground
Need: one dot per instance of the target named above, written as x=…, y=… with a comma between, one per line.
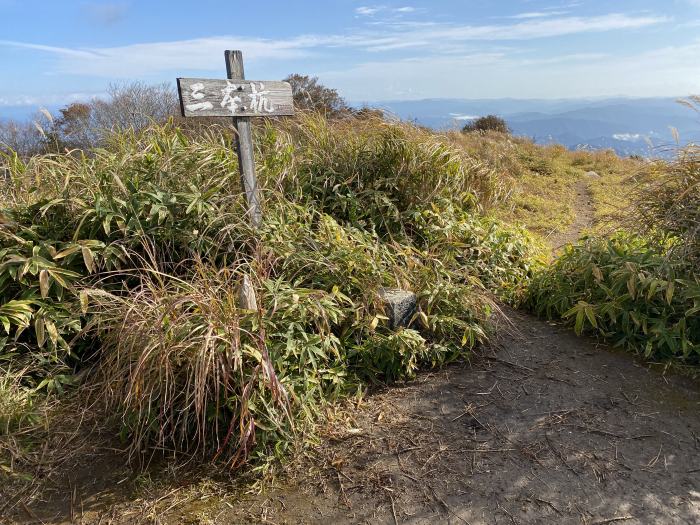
x=541, y=427
x=551, y=428
x=583, y=206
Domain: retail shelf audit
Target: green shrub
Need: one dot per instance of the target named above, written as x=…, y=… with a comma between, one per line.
x=668, y=209
x=487, y=123
x=628, y=290
x=128, y=261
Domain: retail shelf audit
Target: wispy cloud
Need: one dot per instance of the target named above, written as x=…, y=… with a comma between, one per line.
x=370, y=11
x=204, y=54
x=536, y=14
x=532, y=29
x=48, y=100
x=64, y=51
x=661, y=72
x=367, y=11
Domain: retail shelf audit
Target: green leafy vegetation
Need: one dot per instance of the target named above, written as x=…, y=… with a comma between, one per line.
x=120, y=269
x=625, y=289
x=121, y=263
x=639, y=288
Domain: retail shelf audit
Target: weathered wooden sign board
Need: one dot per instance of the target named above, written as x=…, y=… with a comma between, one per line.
x=240, y=99
x=228, y=98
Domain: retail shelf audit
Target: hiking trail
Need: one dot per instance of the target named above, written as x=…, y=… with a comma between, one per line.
x=584, y=217
x=540, y=426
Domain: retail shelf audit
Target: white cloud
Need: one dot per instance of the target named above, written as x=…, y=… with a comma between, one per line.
x=628, y=137
x=196, y=54
x=68, y=52
x=453, y=60
x=536, y=14
x=532, y=29
x=457, y=116
x=204, y=54
x=48, y=100
x=373, y=10
x=367, y=11
x=670, y=71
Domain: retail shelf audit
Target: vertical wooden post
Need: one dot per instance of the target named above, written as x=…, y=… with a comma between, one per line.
x=246, y=165
x=244, y=144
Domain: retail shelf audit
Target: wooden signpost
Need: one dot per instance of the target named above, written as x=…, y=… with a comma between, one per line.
x=240, y=99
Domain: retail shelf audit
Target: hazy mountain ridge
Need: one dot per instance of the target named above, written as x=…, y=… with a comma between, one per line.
x=629, y=126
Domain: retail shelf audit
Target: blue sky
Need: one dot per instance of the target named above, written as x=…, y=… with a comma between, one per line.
x=53, y=51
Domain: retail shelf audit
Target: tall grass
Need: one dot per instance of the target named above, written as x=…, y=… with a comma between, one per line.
x=669, y=208
x=639, y=288
x=121, y=267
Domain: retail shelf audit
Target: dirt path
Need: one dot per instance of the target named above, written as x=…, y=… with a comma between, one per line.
x=583, y=208
x=541, y=427
x=549, y=429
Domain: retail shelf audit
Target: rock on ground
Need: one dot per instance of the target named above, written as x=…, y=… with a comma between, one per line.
x=399, y=305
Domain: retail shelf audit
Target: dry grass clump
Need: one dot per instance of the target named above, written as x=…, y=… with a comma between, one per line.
x=669, y=207
x=122, y=265
x=640, y=287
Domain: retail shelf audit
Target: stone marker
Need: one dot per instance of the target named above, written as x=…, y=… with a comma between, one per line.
x=399, y=305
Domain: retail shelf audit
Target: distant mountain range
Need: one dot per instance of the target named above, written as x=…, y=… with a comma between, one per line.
x=630, y=126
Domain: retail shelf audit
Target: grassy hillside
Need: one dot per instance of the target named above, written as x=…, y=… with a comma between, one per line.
x=120, y=270
x=541, y=181
x=638, y=287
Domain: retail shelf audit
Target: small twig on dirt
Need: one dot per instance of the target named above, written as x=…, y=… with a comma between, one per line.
x=403, y=450
x=73, y=497
x=552, y=378
x=393, y=510
x=696, y=439
x=628, y=399
x=509, y=363
x=345, y=476
x=559, y=454
x=612, y=520
x=599, y=431
x=488, y=392
x=671, y=435
x=474, y=450
x=447, y=507
x=512, y=519
x=658, y=455
x=30, y=512
x=440, y=449
x=468, y=412
x=342, y=491
x=545, y=502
